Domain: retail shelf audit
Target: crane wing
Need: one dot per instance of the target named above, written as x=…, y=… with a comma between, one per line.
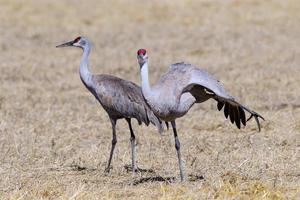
x=203, y=86
x=122, y=98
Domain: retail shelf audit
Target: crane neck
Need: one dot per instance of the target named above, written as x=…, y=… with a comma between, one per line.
x=146, y=89
x=85, y=74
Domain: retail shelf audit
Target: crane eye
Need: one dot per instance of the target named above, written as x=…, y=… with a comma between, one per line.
x=77, y=39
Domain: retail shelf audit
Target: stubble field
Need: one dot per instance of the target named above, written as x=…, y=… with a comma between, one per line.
x=55, y=138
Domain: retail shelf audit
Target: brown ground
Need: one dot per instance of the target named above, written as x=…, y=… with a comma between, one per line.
x=55, y=138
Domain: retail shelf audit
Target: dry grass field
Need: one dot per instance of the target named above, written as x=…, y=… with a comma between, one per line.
x=55, y=138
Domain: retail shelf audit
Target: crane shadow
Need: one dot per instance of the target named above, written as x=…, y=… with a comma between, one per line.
x=167, y=180
x=195, y=177
x=76, y=167
x=141, y=170
x=72, y=167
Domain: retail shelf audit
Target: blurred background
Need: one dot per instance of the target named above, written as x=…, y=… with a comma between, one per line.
x=55, y=138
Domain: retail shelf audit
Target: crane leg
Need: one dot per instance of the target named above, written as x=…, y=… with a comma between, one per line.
x=177, y=146
x=132, y=141
x=113, y=144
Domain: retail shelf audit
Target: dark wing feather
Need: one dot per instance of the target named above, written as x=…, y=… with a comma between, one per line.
x=236, y=112
x=237, y=117
x=203, y=86
x=231, y=114
x=220, y=105
x=226, y=110
x=242, y=115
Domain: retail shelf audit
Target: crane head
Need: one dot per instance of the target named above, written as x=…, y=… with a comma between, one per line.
x=77, y=42
x=142, y=56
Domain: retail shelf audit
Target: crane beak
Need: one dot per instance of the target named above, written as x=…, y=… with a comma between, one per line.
x=67, y=44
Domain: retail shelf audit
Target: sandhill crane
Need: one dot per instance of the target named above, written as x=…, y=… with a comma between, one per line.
x=183, y=85
x=119, y=98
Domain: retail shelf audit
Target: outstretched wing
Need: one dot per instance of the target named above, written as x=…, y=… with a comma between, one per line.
x=203, y=86
x=236, y=112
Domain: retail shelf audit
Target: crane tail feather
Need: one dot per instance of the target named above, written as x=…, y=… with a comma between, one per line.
x=156, y=122
x=167, y=125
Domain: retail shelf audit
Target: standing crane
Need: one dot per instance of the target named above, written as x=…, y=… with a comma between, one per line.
x=119, y=98
x=180, y=88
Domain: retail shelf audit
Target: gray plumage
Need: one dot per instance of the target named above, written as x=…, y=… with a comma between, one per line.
x=198, y=86
x=122, y=99
x=119, y=98
x=180, y=88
